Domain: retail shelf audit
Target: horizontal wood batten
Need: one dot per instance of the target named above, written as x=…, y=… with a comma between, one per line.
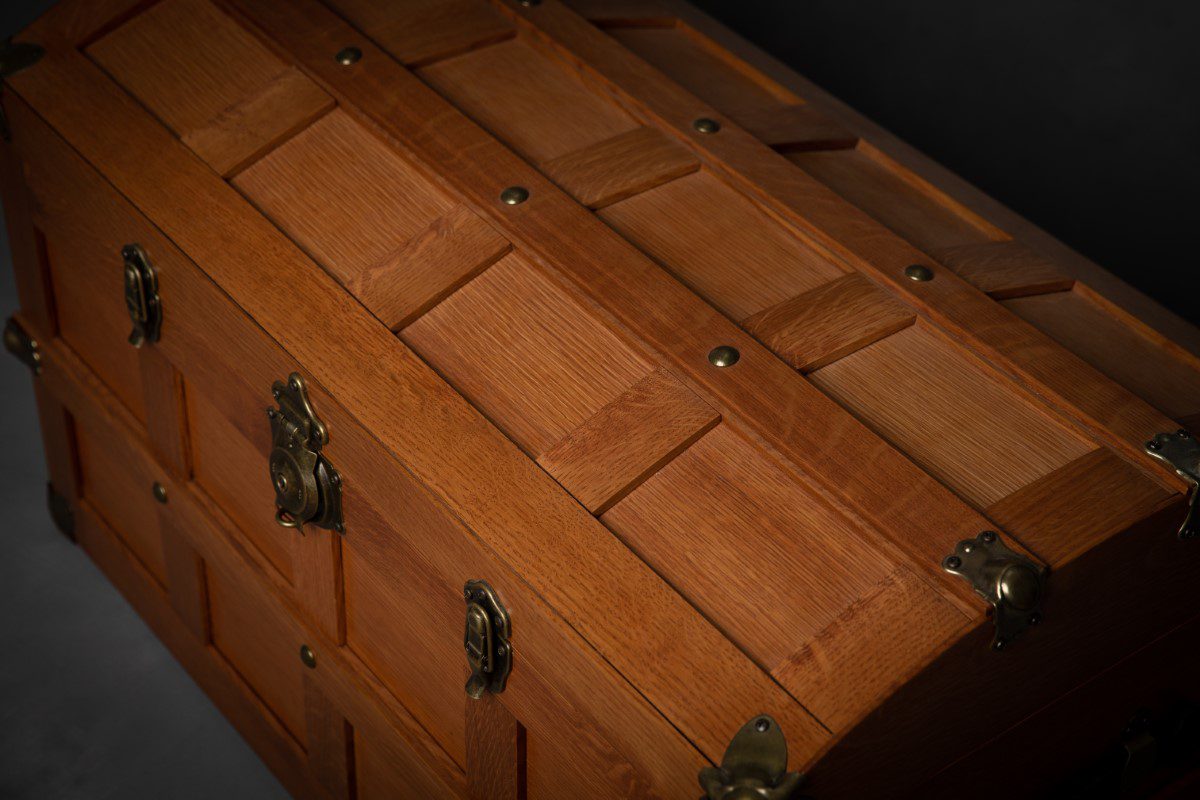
x=1004, y=269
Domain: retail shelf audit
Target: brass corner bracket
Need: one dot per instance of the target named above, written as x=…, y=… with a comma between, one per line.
x=1012, y=583
x=1181, y=451
x=754, y=766
x=23, y=346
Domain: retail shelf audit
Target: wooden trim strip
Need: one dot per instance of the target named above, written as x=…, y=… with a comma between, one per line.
x=790, y=128
x=1104, y=409
x=1004, y=269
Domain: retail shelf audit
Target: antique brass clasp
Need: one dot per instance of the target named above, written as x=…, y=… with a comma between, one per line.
x=307, y=487
x=1182, y=452
x=754, y=766
x=141, y=296
x=489, y=654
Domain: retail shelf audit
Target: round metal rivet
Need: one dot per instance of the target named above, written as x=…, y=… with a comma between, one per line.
x=514, y=195
x=501, y=650
x=160, y=492
x=988, y=536
x=952, y=562
x=1154, y=445
x=281, y=482
x=918, y=272
x=1182, y=434
x=968, y=547
x=529, y=3
x=706, y=125
x=308, y=656
x=999, y=644
x=348, y=55
x=1035, y=619
x=724, y=356
x=762, y=725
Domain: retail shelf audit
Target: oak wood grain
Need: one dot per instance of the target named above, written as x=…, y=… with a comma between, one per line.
x=416, y=32
x=614, y=169
x=1004, y=269
x=495, y=752
x=795, y=127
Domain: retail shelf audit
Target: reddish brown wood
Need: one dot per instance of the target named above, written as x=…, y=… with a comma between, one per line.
x=495, y=752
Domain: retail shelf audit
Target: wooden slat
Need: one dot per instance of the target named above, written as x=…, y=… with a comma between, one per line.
x=831, y=321
x=626, y=441
x=1098, y=493
x=429, y=267
x=738, y=259
x=1004, y=269
x=421, y=31
x=620, y=167
x=330, y=741
x=187, y=585
x=795, y=127
x=495, y=752
x=166, y=411
x=59, y=444
x=27, y=245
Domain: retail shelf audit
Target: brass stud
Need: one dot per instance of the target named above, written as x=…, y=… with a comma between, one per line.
x=529, y=3
x=308, y=656
x=348, y=55
x=514, y=195
x=706, y=125
x=724, y=356
x=160, y=492
x=918, y=272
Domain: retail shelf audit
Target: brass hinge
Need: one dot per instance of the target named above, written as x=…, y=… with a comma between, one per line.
x=61, y=512
x=307, y=487
x=1012, y=583
x=486, y=640
x=14, y=57
x=754, y=766
x=1182, y=452
x=18, y=342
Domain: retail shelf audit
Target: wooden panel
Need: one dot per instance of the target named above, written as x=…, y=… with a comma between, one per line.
x=120, y=493
x=795, y=127
x=385, y=769
x=330, y=741
x=526, y=353
x=187, y=583
x=233, y=471
x=419, y=31
x=620, y=167
x=209, y=80
x=1142, y=361
x=495, y=752
x=959, y=423
x=774, y=567
x=1061, y=514
x=897, y=198
x=620, y=446
x=704, y=70
x=263, y=647
x=166, y=412
x=1004, y=269
x=518, y=93
x=829, y=322
x=739, y=260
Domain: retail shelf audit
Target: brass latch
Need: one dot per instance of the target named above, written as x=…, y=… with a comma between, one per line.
x=1182, y=452
x=307, y=487
x=486, y=640
x=754, y=766
x=18, y=342
x=1012, y=583
x=141, y=296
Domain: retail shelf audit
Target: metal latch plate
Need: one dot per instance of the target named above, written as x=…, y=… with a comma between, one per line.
x=1012, y=583
x=1181, y=451
x=486, y=640
x=141, y=296
x=307, y=487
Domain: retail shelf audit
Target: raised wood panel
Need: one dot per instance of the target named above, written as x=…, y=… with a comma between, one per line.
x=620, y=167
x=518, y=93
x=1004, y=269
x=495, y=752
x=385, y=769
x=829, y=322
x=773, y=566
x=121, y=493
x=705, y=70
x=795, y=128
x=739, y=259
x=897, y=198
x=419, y=31
x=209, y=80
x=1143, y=362
x=233, y=471
x=961, y=424
x=261, y=645
x=626, y=441
x=532, y=358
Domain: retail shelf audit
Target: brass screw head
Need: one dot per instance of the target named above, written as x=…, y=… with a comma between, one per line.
x=160, y=492
x=918, y=272
x=348, y=55
x=514, y=195
x=308, y=656
x=706, y=125
x=724, y=356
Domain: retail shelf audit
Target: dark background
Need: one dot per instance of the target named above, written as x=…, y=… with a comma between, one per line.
x=1082, y=116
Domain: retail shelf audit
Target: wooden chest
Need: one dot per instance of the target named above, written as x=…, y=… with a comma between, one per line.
x=703, y=401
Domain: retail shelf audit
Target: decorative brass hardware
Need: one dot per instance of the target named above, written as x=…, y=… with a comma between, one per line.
x=918, y=272
x=308, y=656
x=348, y=56
x=754, y=766
x=307, y=487
x=1009, y=581
x=18, y=342
x=141, y=296
x=514, y=195
x=160, y=492
x=1182, y=452
x=61, y=512
x=724, y=356
x=706, y=125
x=486, y=640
